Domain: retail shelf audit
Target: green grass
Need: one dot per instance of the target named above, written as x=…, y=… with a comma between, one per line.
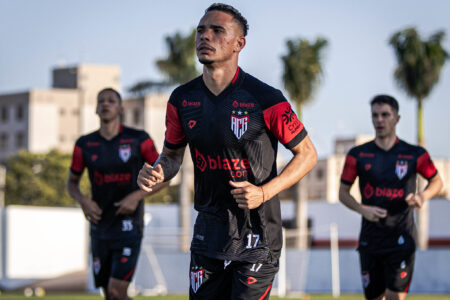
x=60, y=296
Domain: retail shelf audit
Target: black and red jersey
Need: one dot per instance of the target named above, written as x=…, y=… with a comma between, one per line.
x=113, y=167
x=233, y=136
x=385, y=179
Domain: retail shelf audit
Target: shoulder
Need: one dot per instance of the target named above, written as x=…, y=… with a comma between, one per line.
x=265, y=94
x=135, y=133
x=189, y=87
x=411, y=149
x=364, y=149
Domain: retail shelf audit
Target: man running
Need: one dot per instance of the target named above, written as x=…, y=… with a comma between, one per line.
x=387, y=168
x=113, y=156
x=232, y=123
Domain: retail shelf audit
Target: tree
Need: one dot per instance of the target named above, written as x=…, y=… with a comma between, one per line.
x=301, y=77
x=179, y=67
x=417, y=73
x=39, y=179
x=419, y=67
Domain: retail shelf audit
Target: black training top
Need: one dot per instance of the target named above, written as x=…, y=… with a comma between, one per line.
x=113, y=167
x=385, y=179
x=233, y=136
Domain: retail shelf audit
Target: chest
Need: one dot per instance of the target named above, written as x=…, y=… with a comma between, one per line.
x=386, y=167
x=111, y=156
x=221, y=122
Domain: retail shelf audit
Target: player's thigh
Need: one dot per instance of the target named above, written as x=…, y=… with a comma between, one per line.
x=372, y=275
x=253, y=281
x=399, y=270
x=101, y=261
x=124, y=258
x=209, y=278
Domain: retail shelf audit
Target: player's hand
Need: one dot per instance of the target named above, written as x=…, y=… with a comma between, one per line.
x=149, y=176
x=91, y=210
x=126, y=206
x=415, y=200
x=373, y=213
x=247, y=195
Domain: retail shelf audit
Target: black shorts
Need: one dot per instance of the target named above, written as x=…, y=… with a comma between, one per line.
x=114, y=259
x=218, y=279
x=391, y=271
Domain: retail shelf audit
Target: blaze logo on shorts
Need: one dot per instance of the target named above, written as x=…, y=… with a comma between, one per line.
x=125, y=152
x=403, y=274
x=239, y=123
x=401, y=168
x=251, y=280
x=97, y=265
x=197, y=274
x=365, y=279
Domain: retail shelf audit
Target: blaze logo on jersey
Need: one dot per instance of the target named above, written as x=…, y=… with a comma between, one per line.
x=401, y=168
x=125, y=152
x=191, y=124
x=239, y=123
x=368, y=191
x=94, y=157
x=200, y=161
x=197, y=274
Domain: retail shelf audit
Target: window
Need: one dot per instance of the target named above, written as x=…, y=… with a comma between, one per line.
x=19, y=112
x=75, y=112
x=20, y=140
x=136, y=116
x=3, y=141
x=4, y=114
x=319, y=173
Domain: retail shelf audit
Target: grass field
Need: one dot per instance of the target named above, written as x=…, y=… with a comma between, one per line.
x=58, y=296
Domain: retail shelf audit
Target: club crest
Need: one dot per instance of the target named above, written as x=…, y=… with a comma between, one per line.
x=197, y=274
x=125, y=152
x=401, y=168
x=239, y=122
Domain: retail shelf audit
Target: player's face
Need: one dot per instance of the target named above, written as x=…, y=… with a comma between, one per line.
x=384, y=120
x=218, y=38
x=108, y=106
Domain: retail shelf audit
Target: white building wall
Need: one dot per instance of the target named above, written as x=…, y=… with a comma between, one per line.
x=43, y=128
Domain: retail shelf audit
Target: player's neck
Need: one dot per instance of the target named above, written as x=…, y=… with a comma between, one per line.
x=218, y=78
x=386, y=142
x=109, y=129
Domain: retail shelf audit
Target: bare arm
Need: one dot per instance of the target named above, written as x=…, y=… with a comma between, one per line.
x=433, y=188
x=164, y=169
x=250, y=196
x=91, y=210
x=371, y=213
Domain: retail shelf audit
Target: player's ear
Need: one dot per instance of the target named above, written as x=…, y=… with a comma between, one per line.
x=240, y=43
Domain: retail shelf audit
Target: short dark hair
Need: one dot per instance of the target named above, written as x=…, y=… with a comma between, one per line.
x=110, y=90
x=231, y=11
x=385, y=99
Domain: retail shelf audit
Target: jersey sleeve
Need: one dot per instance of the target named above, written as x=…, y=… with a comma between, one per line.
x=282, y=121
x=350, y=171
x=425, y=166
x=174, y=137
x=148, y=149
x=77, y=165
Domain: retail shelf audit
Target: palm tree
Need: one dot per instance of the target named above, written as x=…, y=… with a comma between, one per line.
x=419, y=67
x=179, y=67
x=301, y=77
x=418, y=70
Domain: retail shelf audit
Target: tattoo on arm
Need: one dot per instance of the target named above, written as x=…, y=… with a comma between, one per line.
x=170, y=161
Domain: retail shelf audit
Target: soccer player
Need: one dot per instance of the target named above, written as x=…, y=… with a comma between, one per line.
x=387, y=168
x=113, y=156
x=232, y=123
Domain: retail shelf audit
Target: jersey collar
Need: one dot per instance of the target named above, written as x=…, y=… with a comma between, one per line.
x=237, y=79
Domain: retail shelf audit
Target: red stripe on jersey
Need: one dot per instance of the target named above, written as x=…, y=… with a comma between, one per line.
x=77, y=160
x=235, y=76
x=174, y=132
x=265, y=293
x=349, y=173
x=129, y=274
x=282, y=121
x=425, y=166
x=148, y=151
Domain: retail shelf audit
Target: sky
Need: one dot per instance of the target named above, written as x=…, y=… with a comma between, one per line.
x=36, y=36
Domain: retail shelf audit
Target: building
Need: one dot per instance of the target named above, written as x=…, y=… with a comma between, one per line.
x=38, y=120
